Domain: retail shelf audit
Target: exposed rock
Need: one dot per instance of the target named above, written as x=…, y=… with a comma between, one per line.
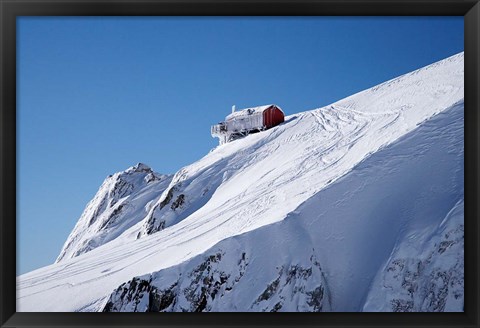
x=178, y=202
x=425, y=285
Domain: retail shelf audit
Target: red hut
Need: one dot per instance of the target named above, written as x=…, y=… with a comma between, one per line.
x=249, y=120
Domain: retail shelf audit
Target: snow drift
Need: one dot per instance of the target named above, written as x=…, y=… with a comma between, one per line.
x=312, y=215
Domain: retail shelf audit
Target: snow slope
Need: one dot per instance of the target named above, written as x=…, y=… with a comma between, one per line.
x=269, y=179
x=391, y=209
x=330, y=140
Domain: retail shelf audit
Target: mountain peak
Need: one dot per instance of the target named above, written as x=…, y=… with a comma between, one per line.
x=139, y=167
x=119, y=203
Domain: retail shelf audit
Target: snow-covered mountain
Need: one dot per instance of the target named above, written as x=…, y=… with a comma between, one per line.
x=123, y=199
x=354, y=206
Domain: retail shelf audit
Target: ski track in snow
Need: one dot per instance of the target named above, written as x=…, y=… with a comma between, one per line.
x=258, y=181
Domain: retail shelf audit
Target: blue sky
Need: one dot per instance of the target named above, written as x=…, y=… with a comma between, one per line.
x=96, y=95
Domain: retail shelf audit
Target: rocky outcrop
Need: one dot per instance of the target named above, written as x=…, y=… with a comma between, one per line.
x=426, y=285
x=431, y=282
x=211, y=286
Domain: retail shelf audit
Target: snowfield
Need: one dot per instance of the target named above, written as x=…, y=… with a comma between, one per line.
x=356, y=206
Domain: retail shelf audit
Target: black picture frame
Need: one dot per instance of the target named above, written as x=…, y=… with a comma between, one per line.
x=10, y=10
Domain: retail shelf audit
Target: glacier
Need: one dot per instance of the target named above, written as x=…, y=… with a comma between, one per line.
x=355, y=206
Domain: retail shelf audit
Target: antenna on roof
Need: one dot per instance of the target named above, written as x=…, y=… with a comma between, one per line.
x=233, y=109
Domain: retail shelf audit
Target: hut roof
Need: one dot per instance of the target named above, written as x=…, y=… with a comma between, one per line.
x=248, y=111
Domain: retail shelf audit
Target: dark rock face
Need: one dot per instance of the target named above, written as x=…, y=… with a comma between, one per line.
x=161, y=300
x=156, y=221
x=168, y=197
x=201, y=286
x=269, y=291
x=178, y=202
x=161, y=214
x=206, y=286
x=120, y=189
x=425, y=285
x=316, y=298
x=187, y=192
x=208, y=282
x=293, y=283
x=139, y=295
